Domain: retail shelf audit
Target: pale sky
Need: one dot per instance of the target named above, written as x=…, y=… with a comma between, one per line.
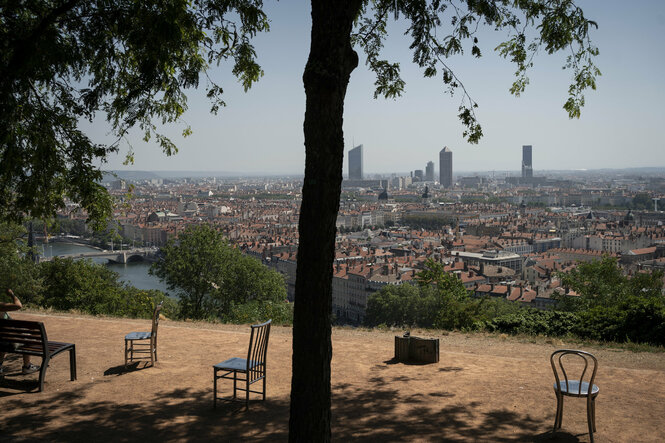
x=622, y=124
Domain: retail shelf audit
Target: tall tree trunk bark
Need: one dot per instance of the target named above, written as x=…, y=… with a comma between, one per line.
x=331, y=61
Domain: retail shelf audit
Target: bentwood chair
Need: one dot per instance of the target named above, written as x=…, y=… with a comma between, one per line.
x=245, y=372
x=143, y=342
x=581, y=387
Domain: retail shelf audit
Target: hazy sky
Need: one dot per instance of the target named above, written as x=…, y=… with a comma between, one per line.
x=622, y=124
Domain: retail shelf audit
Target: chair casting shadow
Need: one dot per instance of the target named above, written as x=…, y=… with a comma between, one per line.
x=143, y=342
x=252, y=369
x=565, y=387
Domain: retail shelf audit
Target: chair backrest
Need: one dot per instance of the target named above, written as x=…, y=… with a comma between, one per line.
x=155, y=319
x=565, y=357
x=258, y=349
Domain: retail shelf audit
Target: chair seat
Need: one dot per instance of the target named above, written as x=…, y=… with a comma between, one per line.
x=138, y=336
x=574, y=388
x=236, y=364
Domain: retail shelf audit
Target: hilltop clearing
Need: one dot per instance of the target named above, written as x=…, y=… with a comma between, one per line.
x=484, y=388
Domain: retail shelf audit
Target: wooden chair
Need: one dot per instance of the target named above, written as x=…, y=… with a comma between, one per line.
x=575, y=387
x=253, y=367
x=134, y=341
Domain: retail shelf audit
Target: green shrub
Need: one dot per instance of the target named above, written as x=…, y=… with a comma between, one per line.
x=642, y=320
x=94, y=289
x=533, y=322
x=257, y=311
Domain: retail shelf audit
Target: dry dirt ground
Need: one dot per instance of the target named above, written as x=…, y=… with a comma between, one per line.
x=484, y=388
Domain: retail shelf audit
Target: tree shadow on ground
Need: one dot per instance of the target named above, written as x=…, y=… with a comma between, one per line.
x=372, y=413
x=377, y=415
x=170, y=415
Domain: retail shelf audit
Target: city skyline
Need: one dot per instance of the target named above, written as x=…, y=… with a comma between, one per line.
x=622, y=117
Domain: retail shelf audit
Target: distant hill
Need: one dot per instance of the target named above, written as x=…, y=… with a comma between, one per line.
x=128, y=175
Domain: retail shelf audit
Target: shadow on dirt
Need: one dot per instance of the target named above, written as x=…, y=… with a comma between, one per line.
x=368, y=414
x=122, y=369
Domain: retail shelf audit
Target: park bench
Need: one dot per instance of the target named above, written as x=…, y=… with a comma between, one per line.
x=29, y=338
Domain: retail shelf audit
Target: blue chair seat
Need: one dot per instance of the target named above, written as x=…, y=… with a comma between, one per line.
x=236, y=364
x=138, y=336
x=574, y=388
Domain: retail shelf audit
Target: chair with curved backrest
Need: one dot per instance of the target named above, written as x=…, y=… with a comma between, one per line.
x=143, y=342
x=575, y=387
x=253, y=367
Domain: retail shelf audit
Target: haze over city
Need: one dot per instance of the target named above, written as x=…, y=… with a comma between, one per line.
x=260, y=132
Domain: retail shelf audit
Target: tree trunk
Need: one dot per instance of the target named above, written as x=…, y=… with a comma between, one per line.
x=326, y=77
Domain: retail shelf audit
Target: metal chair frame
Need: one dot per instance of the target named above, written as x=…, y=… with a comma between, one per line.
x=135, y=345
x=251, y=370
x=575, y=387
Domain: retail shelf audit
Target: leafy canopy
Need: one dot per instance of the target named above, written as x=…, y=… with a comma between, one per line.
x=62, y=62
x=442, y=29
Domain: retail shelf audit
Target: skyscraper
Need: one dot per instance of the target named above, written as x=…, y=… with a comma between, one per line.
x=356, y=163
x=429, y=172
x=527, y=165
x=446, y=167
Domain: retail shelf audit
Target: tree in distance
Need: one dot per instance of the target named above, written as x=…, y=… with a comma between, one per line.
x=439, y=300
x=63, y=61
x=17, y=271
x=602, y=283
x=211, y=276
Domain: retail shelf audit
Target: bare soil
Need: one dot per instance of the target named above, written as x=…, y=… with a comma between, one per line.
x=484, y=388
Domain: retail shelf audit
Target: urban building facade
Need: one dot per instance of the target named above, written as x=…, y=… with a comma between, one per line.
x=429, y=172
x=446, y=167
x=527, y=164
x=356, y=163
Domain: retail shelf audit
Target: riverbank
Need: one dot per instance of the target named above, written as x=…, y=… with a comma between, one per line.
x=484, y=388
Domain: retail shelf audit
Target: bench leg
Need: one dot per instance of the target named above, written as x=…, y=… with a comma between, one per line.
x=214, y=388
x=72, y=363
x=42, y=373
x=235, y=373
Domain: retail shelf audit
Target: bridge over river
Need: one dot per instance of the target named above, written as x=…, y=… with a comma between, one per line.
x=121, y=256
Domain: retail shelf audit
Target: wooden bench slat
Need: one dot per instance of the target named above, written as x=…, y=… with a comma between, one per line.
x=20, y=333
x=20, y=336
x=29, y=338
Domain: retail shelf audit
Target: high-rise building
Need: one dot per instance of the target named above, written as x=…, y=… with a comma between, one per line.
x=446, y=167
x=527, y=165
x=356, y=163
x=418, y=174
x=429, y=172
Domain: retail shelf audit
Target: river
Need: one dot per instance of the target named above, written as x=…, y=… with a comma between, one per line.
x=135, y=273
